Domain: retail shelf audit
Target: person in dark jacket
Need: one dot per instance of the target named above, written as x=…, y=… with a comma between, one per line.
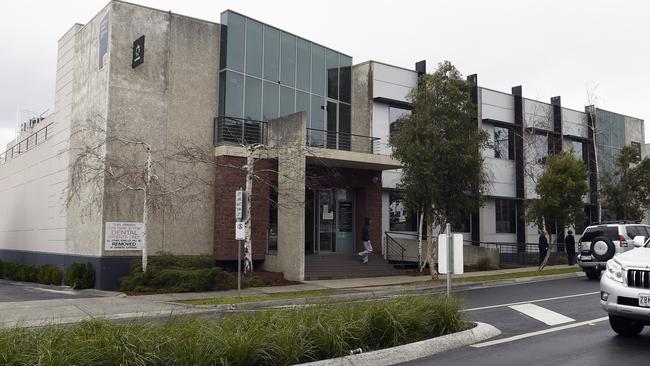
x=365, y=238
x=570, y=244
x=543, y=246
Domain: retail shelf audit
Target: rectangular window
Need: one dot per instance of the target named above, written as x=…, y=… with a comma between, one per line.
x=271, y=54
x=235, y=31
x=331, y=125
x=394, y=114
x=400, y=218
x=317, y=70
x=577, y=150
x=234, y=98
x=332, y=64
x=253, y=100
x=287, y=99
x=317, y=122
x=302, y=103
x=505, y=216
x=345, y=139
x=288, y=59
x=345, y=79
x=303, y=64
x=463, y=226
x=271, y=101
x=502, y=144
x=254, y=48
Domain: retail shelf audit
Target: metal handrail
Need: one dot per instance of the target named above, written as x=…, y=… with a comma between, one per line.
x=341, y=140
x=241, y=131
x=12, y=150
x=395, y=248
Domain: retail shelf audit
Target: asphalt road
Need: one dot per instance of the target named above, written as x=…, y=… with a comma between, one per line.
x=23, y=291
x=556, y=322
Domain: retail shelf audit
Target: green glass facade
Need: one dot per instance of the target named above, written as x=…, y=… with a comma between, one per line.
x=266, y=73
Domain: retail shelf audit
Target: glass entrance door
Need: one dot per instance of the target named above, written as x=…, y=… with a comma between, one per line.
x=334, y=224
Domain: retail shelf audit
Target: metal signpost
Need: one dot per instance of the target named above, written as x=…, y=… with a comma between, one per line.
x=450, y=255
x=450, y=260
x=240, y=231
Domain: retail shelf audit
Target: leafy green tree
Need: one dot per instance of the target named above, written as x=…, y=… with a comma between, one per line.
x=627, y=190
x=561, y=188
x=439, y=146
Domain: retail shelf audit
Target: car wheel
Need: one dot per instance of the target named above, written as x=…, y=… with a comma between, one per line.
x=625, y=327
x=602, y=248
x=592, y=274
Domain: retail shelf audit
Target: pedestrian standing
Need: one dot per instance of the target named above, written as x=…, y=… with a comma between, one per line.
x=543, y=246
x=570, y=244
x=365, y=238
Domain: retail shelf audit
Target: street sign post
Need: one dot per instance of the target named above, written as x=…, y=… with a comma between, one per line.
x=240, y=205
x=240, y=230
x=450, y=255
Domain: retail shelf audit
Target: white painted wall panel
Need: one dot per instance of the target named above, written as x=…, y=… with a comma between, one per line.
x=380, y=127
x=392, y=82
x=574, y=123
x=538, y=114
x=488, y=223
x=497, y=106
x=501, y=177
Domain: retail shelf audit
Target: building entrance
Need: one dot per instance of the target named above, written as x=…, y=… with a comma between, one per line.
x=329, y=221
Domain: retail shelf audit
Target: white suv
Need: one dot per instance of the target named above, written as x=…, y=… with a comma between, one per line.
x=599, y=243
x=625, y=289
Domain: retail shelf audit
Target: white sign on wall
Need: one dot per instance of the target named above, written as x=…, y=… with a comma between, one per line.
x=124, y=236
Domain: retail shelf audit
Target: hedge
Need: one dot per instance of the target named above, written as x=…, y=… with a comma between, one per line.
x=79, y=275
x=48, y=274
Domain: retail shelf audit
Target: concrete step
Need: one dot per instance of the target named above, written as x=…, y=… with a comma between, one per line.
x=346, y=265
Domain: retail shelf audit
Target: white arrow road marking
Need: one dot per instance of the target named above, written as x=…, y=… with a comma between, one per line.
x=546, y=316
x=540, y=332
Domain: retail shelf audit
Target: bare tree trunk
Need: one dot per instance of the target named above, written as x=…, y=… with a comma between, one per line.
x=433, y=267
x=420, y=261
x=145, y=210
x=552, y=246
x=248, y=247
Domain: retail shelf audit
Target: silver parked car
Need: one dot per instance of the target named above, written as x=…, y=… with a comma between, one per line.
x=625, y=289
x=600, y=243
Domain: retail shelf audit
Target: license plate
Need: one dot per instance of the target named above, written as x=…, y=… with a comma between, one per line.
x=644, y=301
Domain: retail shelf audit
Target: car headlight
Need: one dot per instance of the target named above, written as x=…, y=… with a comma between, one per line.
x=614, y=271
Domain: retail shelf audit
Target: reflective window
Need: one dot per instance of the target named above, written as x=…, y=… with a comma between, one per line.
x=345, y=79
x=235, y=94
x=317, y=69
x=394, y=114
x=577, y=150
x=253, y=100
x=270, y=105
x=302, y=103
x=331, y=125
x=271, y=54
x=304, y=64
x=505, y=216
x=317, y=122
x=400, y=218
x=287, y=99
x=501, y=143
x=344, y=126
x=288, y=59
x=254, y=48
x=637, y=148
x=332, y=64
x=235, y=41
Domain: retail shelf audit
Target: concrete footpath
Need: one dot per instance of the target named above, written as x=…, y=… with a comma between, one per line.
x=118, y=306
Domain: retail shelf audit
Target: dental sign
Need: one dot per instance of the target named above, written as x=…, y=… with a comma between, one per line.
x=124, y=236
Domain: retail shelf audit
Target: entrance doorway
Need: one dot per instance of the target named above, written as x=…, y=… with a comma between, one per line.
x=329, y=221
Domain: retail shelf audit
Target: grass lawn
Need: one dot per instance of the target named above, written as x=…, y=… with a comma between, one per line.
x=260, y=297
x=509, y=276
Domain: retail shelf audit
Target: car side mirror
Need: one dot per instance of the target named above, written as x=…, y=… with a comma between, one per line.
x=639, y=241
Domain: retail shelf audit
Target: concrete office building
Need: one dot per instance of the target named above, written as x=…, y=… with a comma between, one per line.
x=323, y=121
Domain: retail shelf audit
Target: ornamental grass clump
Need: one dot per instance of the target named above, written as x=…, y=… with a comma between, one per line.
x=273, y=337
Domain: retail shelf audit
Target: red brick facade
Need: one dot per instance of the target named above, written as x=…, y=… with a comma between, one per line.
x=229, y=179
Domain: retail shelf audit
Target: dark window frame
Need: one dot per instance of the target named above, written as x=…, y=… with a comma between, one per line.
x=505, y=221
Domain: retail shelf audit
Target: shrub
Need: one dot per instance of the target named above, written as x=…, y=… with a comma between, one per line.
x=562, y=260
x=79, y=275
x=20, y=272
x=49, y=274
x=174, y=273
x=275, y=337
x=484, y=264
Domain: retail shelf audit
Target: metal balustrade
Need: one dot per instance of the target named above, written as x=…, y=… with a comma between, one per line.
x=239, y=131
x=27, y=143
x=342, y=141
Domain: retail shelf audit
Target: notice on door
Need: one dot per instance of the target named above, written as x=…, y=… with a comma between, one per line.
x=124, y=236
x=345, y=217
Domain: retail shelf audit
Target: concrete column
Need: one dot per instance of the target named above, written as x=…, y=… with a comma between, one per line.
x=287, y=137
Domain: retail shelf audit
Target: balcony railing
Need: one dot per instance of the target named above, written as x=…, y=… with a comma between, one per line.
x=231, y=130
x=240, y=131
x=27, y=144
x=342, y=141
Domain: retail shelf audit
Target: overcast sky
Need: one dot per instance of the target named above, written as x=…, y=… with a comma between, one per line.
x=549, y=47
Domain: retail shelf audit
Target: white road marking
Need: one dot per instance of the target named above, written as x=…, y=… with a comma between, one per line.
x=531, y=301
x=67, y=292
x=546, y=316
x=540, y=332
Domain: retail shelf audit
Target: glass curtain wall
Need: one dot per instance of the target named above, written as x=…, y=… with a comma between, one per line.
x=267, y=73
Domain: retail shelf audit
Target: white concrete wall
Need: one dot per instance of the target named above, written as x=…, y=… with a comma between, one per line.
x=498, y=106
x=538, y=114
x=380, y=127
x=392, y=82
x=574, y=123
x=31, y=185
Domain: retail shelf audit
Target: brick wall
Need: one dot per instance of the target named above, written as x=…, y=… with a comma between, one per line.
x=228, y=180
